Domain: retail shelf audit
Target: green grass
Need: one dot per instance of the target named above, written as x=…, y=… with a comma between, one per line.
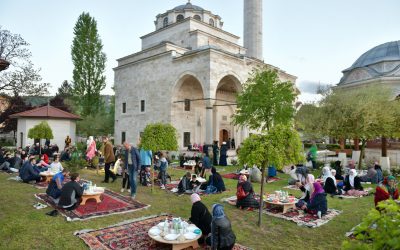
x=23, y=227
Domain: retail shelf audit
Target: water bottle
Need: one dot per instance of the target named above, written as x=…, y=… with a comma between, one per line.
x=166, y=226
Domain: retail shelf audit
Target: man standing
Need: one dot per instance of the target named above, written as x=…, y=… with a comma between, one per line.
x=132, y=163
x=109, y=159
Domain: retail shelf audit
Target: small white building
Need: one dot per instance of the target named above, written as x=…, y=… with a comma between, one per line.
x=61, y=122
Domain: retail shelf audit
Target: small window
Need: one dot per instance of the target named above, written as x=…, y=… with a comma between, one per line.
x=187, y=104
x=165, y=22
x=179, y=18
x=186, y=139
x=123, y=137
x=197, y=17
x=142, y=106
x=124, y=107
x=211, y=22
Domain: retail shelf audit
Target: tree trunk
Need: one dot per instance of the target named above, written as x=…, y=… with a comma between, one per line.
x=341, y=142
x=356, y=144
x=261, y=195
x=152, y=174
x=363, y=142
x=384, y=146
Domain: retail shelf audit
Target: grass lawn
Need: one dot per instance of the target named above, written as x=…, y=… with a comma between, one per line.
x=23, y=227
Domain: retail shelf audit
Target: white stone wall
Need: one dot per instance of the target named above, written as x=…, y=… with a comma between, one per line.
x=60, y=127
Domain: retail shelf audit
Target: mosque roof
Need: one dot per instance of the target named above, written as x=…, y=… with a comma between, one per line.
x=187, y=6
x=389, y=51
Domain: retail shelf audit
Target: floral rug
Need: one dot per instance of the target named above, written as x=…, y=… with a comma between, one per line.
x=112, y=203
x=298, y=217
x=345, y=196
x=132, y=234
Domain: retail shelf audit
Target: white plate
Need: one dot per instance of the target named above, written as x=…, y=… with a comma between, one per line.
x=171, y=236
x=191, y=228
x=154, y=231
x=190, y=236
x=161, y=225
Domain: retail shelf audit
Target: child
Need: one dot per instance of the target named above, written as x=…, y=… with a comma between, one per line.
x=125, y=177
x=163, y=170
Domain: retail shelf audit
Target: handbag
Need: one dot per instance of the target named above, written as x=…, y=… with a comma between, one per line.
x=240, y=193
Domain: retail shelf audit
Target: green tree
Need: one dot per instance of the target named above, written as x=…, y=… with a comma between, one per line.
x=280, y=146
x=159, y=136
x=267, y=105
x=307, y=121
x=41, y=131
x=89, y=65
x=65, y=90
x=265, y=101
x=379, y=229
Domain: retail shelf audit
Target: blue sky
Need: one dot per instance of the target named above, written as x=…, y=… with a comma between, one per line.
x=312, y=39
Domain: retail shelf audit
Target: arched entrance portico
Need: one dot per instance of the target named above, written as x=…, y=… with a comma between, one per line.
x=188, y=110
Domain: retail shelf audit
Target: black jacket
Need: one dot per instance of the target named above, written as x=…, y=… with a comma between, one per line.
x=330, y=186
x=223, y=234
x=319, y=203
x=357, y=184
x=201, y=217
x=67, y=191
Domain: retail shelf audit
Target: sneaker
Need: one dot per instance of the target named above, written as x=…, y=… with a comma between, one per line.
x=133, y=197
x=162, y=187
x=122, y=190
x=319, y=214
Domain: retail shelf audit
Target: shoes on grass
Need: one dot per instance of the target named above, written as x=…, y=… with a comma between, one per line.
x=52, y=213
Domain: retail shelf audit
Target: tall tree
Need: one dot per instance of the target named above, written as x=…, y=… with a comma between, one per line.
x=65, y=90
x=89, y=65
x=21, y=78
x=266, y=103
x=306, y=121
x=59, y=102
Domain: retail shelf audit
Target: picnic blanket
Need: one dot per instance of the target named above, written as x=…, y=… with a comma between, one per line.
x=112, y=203
x=131, y=234
x=298, y=217
x=345, y=196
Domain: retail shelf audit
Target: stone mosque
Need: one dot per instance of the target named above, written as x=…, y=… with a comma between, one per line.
x=188, y=73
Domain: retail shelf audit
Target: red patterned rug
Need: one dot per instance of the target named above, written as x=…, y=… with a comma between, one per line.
x=298, y=217
x=112, y=203
x=128, y=235
x=44, y=185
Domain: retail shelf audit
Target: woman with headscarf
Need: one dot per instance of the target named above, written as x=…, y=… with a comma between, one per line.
x=329, y=181
x=387, y=190
x=318, y=203
x=200, y=216
x=338, y=168
x=216, y=180
x=223, y=155
x=222, y=236
x=379, y=173
x=306, y=189
x=352, y=184
x=91, y=148
x=302, y=173
x=245, y=194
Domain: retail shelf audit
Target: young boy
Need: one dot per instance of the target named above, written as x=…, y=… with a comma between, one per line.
x=163, y=170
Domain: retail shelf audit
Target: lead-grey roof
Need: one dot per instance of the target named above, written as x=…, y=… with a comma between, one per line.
x=188, y=6
x=385, y=52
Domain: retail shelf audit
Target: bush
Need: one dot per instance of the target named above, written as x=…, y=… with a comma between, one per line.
x=75, y=164
x=6, y=142
x=379, y=230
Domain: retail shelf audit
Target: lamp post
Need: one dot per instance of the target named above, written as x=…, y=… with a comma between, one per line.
x=3, y=64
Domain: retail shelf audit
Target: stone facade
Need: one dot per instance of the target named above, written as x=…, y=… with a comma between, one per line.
x=187, y=74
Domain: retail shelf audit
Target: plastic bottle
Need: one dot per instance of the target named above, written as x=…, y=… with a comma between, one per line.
x=166, y=226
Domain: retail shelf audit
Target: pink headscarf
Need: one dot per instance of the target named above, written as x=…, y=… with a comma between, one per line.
x=317, y=190
x=195, y=198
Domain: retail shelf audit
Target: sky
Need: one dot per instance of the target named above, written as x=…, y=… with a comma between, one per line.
x=312, y=39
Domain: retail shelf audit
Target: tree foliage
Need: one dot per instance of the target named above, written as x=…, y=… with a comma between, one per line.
x=307, y=120
x=159, y=136
x=15, y=104
x=65, y=90
x=21, y=78
x=89, y=65
x=265, y=101
x=378, y=230
x=59, y=102
x=41, y=131
x=280, y=146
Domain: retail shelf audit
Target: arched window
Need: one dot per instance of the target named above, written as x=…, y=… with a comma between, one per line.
x=179, y=18
x=197, y=17
x=165, y=22
x=211, y=22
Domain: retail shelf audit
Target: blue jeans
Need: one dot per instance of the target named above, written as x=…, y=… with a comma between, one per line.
x=163, y=174
x=132, y=179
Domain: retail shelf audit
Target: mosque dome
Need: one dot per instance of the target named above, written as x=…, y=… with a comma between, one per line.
x=380, y=61
x=187, y=6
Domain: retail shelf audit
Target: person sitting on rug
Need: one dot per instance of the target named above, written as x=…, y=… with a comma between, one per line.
x=371, y=176
x=352, y=184
x=194, y=185
x=56, y=184
x=329, y=181
x=245, y=194
x=293, y=176
x=379, y=173
x=306, y=189
x=302, y=172
x=28, y=171
x=200, y=216
x=387, y=190
x=222, y=236
x=216, y=181
x=56, y=166
x=71, y=193
x=318, y=203
x=184, y=183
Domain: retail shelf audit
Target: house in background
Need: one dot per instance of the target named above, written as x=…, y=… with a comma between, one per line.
x=62, y=124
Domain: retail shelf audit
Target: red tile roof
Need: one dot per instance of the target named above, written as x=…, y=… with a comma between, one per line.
x=46, y=112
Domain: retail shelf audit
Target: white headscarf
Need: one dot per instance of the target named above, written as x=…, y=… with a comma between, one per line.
x=352, y=175
x=326, y=173
x=309, y=182
x=89, y=141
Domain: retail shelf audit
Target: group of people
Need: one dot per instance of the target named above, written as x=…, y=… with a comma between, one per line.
x=189, y=183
